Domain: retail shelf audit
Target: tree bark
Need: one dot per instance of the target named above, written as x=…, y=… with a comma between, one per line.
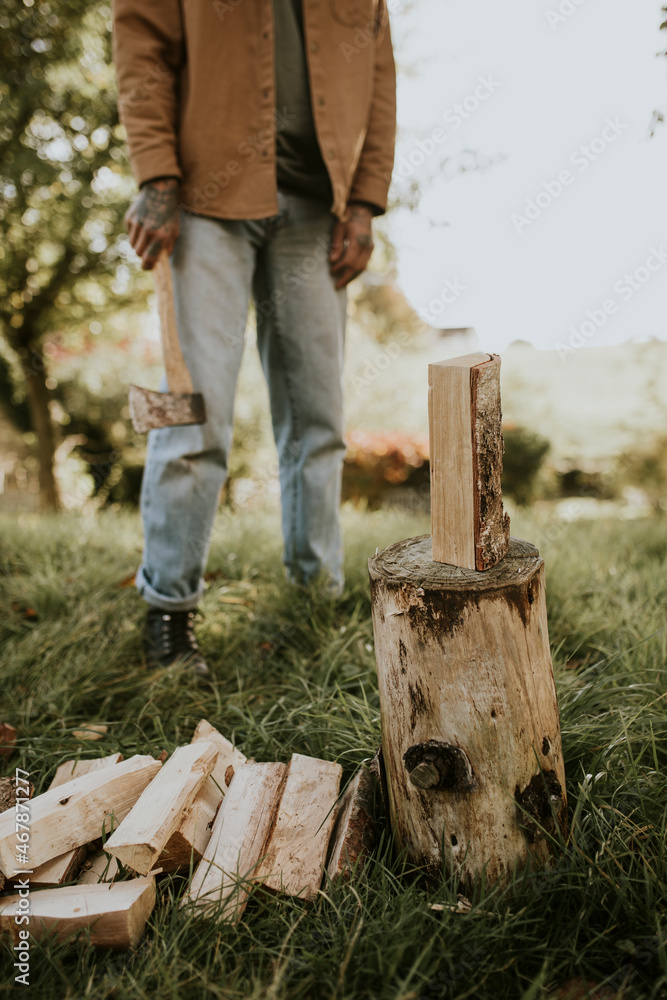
x=470, y=728
x=42, y=425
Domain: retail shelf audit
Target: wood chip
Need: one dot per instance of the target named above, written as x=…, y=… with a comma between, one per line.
x=90, y=731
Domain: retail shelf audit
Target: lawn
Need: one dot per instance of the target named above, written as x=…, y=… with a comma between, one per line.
x=296, y=672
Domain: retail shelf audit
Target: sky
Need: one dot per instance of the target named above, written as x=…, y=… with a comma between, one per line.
x=561, y=238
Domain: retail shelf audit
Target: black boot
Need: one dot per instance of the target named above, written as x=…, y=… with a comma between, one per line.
x=169, y=637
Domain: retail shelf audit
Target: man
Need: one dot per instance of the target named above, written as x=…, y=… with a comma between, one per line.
x=261, y=134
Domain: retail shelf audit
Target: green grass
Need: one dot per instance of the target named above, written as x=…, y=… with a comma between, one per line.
x=296, y=672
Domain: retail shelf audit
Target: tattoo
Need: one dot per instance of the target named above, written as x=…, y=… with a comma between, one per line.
x=364, y=240
x=359, y=213
x=159, y=205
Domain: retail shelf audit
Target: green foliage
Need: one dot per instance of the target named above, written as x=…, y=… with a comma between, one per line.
x=525, y=452
x=65, y=184
x=295, y=672
x=62, y=169
x=646, y=467
x=598, y=483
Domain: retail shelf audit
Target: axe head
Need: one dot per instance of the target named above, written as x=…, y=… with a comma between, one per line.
x=164, y=409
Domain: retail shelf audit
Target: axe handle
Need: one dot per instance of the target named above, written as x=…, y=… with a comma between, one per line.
x=178, y=376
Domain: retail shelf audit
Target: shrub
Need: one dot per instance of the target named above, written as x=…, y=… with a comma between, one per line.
x=646, y=467
x=379, y=461
x=525, y=452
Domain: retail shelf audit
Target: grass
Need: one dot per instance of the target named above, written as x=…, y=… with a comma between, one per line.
x=296, y=672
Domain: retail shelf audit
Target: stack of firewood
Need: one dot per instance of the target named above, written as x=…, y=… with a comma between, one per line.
x=107, y=828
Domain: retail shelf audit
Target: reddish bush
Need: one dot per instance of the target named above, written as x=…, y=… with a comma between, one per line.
x=376, y=461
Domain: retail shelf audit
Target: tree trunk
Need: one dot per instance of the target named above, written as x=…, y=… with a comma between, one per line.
x=42, y=425
x=470, y=728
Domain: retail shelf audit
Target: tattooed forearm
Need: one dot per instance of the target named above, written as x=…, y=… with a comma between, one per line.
x=159, y=203
x=152, y=220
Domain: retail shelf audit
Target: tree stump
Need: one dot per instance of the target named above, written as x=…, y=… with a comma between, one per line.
x=471, y=735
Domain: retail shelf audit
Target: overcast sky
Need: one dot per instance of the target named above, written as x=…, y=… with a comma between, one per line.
x=540, y=94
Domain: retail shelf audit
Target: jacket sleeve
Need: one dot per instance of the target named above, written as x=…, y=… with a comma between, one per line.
x=373, y=175
x=149, y=51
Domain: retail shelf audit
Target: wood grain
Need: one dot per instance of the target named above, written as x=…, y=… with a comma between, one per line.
x=187, y=844
x=353, y=834
x=468, y=526
x=463, y=658
x=178, y=376
x=98, y=867
x=238, y=842
x=115, y=915
x=297, y=848
x=78, y=811
x=74, y=768
x=66, y=866
x=157, y=814
x=451, y=462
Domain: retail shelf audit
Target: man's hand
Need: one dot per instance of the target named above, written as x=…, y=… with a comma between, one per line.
x=351, y=244
x=152, y=219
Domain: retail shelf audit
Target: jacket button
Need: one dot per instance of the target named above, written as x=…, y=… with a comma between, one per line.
x=331, y=153
x=314, y=47
x=321, y=101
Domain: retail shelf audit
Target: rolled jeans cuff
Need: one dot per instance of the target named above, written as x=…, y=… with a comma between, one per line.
x=156, y=600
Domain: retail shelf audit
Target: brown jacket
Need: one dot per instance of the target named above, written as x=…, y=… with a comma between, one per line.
x=196, y=95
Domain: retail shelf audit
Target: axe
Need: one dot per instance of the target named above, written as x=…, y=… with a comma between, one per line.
x=180, y=405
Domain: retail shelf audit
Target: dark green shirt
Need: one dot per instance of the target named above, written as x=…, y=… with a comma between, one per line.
x=299, y=164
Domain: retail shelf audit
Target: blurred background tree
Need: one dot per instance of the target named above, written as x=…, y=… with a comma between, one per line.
x=65, y=184
x=74, y=328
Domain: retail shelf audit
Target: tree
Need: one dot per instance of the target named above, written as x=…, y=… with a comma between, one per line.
x=65, y=184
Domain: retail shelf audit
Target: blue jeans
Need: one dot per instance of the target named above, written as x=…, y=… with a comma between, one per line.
x=217, y=265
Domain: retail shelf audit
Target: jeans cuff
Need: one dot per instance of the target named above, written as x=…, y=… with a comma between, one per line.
x=157, y=600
